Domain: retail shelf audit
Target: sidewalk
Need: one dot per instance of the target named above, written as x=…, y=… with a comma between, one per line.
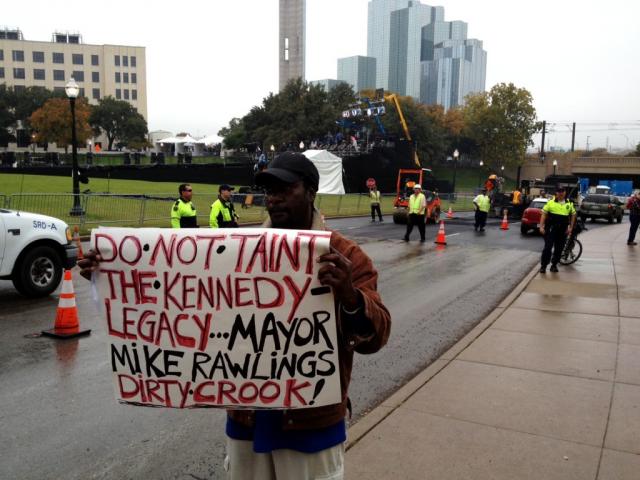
x=547, y=387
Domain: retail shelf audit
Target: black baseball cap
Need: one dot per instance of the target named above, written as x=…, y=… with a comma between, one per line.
x=225, y=186
x=290, y=167
x=560, y=188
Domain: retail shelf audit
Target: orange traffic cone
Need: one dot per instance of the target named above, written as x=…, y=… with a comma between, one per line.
x=450, y=212
x=505, y=223
x=441, y=238
x=67, y=324
x=76, y=238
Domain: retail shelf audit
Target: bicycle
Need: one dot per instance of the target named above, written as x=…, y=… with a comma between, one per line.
x=573, y=248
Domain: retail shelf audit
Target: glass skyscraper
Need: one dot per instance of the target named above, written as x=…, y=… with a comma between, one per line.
x=358, y=71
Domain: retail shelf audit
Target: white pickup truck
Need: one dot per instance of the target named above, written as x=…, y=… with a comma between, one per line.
x=34, y=250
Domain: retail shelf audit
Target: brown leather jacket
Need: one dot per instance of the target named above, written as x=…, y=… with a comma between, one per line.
x=365, y=279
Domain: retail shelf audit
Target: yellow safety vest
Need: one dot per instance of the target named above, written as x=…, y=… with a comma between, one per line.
x=483, y=202
x=417, y=203
x=556, y=208
x=374, y=195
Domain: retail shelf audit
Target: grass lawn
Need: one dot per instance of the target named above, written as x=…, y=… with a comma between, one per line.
x=49, y=195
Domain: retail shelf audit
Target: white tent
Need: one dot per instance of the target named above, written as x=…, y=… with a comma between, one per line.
x=330, y=168
x=212, y=139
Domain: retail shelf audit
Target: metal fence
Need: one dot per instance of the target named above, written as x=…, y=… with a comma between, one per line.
x=155, y=210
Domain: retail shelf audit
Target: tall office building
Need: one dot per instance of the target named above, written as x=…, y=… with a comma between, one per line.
x=358, y=71
x=327, y=83
x=292, y=40
x=405, y=46
x=100, y=70
x=453, y=66
x=378, y=32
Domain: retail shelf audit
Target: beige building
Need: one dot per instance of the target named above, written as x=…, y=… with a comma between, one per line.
x=292, y=40
x=119, y=71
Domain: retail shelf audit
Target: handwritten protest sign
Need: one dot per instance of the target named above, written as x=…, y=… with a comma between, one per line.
x=213, y=318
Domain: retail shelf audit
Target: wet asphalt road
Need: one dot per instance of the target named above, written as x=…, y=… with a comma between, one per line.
x=57, y=409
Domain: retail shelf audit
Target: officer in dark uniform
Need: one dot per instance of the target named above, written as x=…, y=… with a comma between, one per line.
x=557, y=221
x=183, y=213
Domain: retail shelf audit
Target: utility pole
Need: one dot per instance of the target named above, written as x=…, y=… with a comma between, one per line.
x=544, y=131
x=573, y=136
x=588, y=137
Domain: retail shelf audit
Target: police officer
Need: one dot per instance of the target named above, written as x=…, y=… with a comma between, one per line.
x=183, y=213
x=482, y=205
x=417, y=209
x=223, y=214
x=557, y=221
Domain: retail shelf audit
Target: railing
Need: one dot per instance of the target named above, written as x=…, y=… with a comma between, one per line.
x=155, y=210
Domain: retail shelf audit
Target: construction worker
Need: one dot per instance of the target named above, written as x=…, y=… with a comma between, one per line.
x=222, y=213
x=556, y=223
x=183, y=213
x=482, y=204
x=516, y=201
x=374, y=197
x=417, y=209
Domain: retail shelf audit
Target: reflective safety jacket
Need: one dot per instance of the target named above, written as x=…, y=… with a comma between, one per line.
x=483, y=202
x=417, y=204
x=516, y=197
x=183, y=214
x=374, y=196
x=222, y=215
x=559, y=212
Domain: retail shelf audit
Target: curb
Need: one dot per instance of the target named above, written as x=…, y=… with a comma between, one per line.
x=367, y=423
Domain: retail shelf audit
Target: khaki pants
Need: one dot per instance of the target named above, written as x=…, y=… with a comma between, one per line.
x=242, y=463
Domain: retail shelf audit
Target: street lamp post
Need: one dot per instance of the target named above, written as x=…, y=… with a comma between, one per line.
x=273, y=151
x=480, y=174
x=301, y=145
x=72, y=90
x=456, y=154
x=555, y=164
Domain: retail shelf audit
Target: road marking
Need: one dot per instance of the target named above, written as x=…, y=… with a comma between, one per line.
x=453, y=234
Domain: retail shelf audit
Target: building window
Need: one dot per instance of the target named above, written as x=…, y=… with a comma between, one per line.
x=133, y=61
x=58, y=89
x=1, y=72
x=58, y=75
x=77, y=59
x=117, y=77
x=38, y=73
x=95, y=61
x=78, y=76
x=38, y=57
x=125, y=77
x=18, y=73
x=134, y=94
x=126, y=94
x=95, y=77
x=134, y=78
x=95, y=93
x=1, y=54
x=116, y=60
x=19, y=88
x=17, y=55
x=58, y=57
x=118, y=94
x=81, y=92
x=125, y=61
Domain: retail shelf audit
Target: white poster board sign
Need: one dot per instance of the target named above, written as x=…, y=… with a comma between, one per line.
x=218, y=318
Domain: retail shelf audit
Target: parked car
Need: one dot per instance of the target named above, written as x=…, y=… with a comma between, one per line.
x=34, y=250
x=597, y=205
x=531, y=215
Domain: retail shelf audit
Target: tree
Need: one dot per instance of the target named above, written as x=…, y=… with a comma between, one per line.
x=119, y=121
x=52, y=122
x=7, y=115
x=501, y=123
x=234, y=135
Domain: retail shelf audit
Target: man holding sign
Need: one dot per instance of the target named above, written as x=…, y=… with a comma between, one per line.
x=296, y=440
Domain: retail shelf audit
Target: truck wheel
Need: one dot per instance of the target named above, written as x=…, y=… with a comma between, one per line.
x=400, y=217
x=39, y=272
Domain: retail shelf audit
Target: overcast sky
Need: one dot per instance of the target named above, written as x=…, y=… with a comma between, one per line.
x=208, y=61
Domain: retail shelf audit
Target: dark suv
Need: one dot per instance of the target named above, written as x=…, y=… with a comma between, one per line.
x=598, y=205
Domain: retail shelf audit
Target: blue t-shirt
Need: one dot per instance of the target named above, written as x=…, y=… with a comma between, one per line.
x=268, y=435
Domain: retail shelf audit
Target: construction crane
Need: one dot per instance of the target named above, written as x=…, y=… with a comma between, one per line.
x=392, y=97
